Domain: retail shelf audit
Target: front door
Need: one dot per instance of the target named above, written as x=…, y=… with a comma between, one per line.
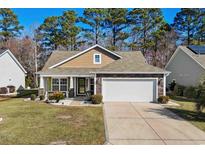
x=81, y=86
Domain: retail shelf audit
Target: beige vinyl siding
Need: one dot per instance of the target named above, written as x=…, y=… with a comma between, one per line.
x=184, y=70
x=86, y=60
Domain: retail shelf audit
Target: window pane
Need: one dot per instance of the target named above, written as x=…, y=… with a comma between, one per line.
x=63, y=84
x=97, y=58
x=91, y=81
x=55, y=84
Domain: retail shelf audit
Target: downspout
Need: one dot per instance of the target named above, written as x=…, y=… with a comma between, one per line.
x=95, y=83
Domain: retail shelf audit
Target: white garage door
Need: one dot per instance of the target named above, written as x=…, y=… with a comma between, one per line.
x=129, y=90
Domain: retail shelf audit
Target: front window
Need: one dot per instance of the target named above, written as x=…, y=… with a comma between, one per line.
x=55, y=84
x=59, y=84
x=97, y=58
x=63, y=84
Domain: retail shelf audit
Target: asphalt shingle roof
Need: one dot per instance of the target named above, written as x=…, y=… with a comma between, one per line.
x=131, y=61
x=200, y=58
x=2, y=51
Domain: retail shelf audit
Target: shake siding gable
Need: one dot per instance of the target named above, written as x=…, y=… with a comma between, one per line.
x=86, y=60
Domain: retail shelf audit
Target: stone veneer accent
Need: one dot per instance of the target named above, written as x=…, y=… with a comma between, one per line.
x=100, y=76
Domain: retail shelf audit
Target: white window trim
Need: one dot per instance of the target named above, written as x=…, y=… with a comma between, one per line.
x=94, y=62
x=59, y=84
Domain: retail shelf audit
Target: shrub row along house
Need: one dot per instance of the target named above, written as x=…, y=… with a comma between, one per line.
x=117, y=76
x=12, y=73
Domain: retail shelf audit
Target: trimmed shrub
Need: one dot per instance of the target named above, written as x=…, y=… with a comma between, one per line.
x=96, y=99
x=172, y=85
x=200, y=102
x=26, y=93
x=163, y=99
x=33, y=97
x=88, y=95
x=190, y=92
x=71, y=93
x=50, y=97
x=42, y=97
x=199, y=90
x=3, y=90
x=11, y=89
x=56, y=96
x=178, y=90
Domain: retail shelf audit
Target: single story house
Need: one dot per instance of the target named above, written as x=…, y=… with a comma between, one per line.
x=12, y=72
x=117, y=76
x=187, y=65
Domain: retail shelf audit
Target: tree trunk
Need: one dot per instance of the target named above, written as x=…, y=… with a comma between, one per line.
x=96, y=34
x=114, y=36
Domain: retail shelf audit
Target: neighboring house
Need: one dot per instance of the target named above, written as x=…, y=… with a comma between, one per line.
x=118, y=76
x=11, y=71
x=187, y=65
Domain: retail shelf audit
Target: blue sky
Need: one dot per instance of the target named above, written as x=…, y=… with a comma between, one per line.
x=30, y=17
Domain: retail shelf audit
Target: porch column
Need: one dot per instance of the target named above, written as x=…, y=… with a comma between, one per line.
x=41, y=82
x=75, y=91
x=164, y=85
x=88, y=88
x=71, y=82
x=95, y=80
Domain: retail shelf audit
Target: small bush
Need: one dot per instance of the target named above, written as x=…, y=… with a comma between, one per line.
x=56, y=96
x=50, y=97
x=200, y=102
x=71, y=93
x=33, y=97
x=11, y=89
x=172, y=85
x=42, y=97
x=88, y=96
x=163, y=99
x=96, y=99
x=26, y=93
x=178, y=90
x=190, y=92
x=3, y=90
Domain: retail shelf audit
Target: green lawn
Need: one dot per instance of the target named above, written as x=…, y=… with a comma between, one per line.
x=187, y=111
x=40, y=123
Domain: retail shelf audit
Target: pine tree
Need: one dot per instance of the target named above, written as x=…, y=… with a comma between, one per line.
x=69, y=30
x=94, y=18
x=48, y=33
x=146, y=28
x=9, y=24
x=200, y=35
x=116, y=23
x=185, y=24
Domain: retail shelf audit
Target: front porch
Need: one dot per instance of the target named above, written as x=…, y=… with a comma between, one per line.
x=70, y=86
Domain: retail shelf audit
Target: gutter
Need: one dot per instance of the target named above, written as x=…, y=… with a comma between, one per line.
x=166, y=72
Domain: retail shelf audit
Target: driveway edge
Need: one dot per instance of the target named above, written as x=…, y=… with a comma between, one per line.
x=106, y=128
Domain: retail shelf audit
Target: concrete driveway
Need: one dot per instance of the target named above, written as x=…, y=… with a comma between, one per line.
x=147, y=123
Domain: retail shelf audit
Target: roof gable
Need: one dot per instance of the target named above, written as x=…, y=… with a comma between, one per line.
x=199, y=59
x=84, y=51
x=14, y=59
x=131, y=62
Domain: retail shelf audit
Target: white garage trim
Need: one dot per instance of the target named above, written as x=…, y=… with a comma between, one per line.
x=156, y=85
